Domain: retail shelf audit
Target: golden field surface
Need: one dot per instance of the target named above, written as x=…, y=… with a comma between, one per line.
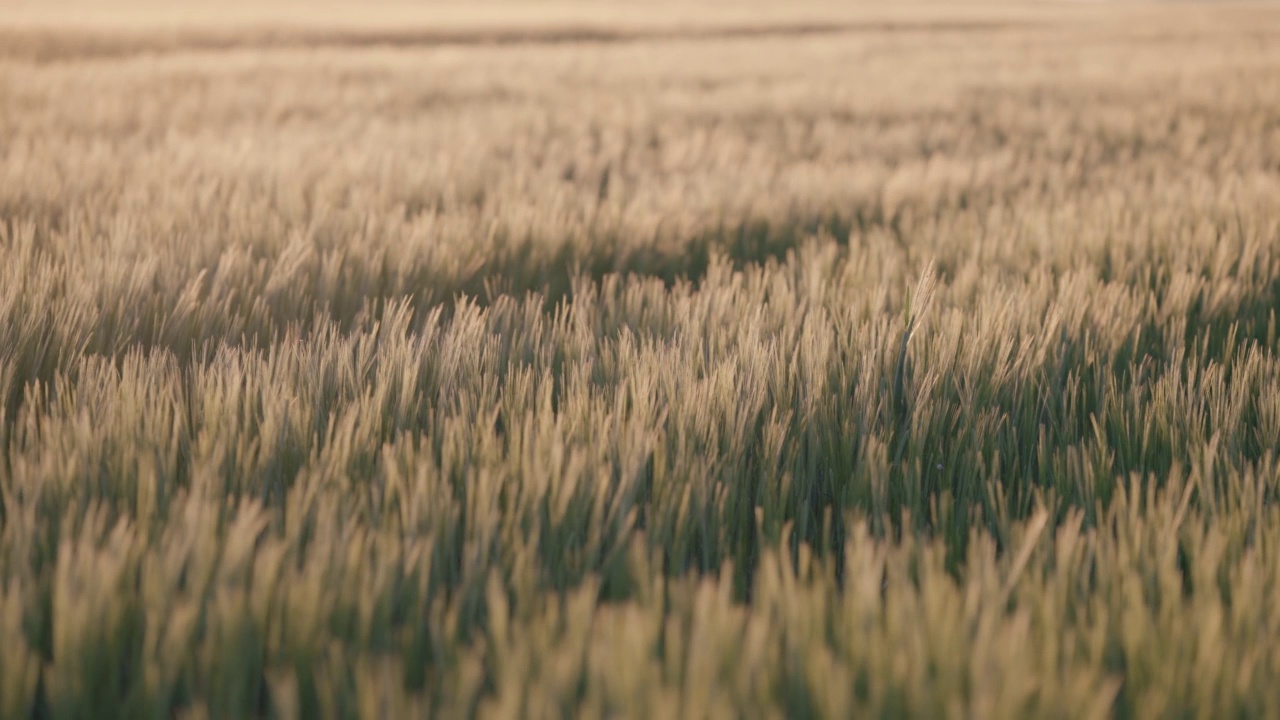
x=639, y=359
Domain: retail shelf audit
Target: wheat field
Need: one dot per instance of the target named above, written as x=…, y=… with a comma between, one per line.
x=639, y=360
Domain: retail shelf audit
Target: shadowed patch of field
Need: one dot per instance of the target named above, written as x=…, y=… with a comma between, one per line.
x=53, y=46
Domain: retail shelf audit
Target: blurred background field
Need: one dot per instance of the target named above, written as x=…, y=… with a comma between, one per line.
x=640, y=359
